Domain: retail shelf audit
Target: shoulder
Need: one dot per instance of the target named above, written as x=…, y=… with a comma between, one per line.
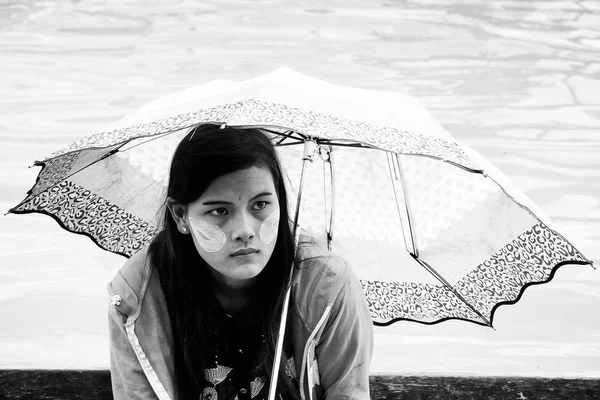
x=320, y=277
x=321, y=269
x=129, y=284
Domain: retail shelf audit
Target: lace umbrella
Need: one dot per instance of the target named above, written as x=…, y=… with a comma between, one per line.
x=432, y=229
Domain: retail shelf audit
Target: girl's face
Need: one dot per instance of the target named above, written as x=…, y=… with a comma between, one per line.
x=234, y=224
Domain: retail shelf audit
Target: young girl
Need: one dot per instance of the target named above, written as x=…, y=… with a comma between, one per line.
x=195, y=315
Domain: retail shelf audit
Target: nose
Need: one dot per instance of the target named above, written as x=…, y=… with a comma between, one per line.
x=243, y=229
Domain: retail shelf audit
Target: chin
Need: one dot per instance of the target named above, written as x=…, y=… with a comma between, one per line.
x=249, y=272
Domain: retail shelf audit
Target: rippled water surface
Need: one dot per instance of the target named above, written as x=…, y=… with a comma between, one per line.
x=516, y=80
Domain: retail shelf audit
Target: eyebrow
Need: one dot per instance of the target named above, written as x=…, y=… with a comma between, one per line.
x=215, y=202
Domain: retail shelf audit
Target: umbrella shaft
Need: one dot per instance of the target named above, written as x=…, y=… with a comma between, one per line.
x=310, y=147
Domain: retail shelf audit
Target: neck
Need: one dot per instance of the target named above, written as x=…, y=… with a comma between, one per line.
x=232, y=295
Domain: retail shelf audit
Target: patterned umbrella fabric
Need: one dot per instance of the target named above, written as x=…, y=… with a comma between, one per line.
x=433, y=230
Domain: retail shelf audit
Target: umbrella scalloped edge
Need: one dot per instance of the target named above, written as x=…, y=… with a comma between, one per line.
x=76, y=208
x=531, y=259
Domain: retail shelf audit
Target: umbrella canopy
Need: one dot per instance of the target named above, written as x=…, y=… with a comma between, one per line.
x=432, y=230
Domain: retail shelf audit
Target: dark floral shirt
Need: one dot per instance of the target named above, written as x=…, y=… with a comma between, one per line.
x=238, y=344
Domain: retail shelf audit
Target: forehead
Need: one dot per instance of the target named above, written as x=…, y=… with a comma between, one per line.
x=246, y=182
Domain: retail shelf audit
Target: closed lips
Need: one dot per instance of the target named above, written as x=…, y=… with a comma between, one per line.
x=243, y=252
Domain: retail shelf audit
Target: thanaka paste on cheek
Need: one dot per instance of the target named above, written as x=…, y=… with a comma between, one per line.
x=268, y=228
x=209, y=236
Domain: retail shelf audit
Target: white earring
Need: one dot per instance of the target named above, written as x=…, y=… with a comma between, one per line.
x=183, y=229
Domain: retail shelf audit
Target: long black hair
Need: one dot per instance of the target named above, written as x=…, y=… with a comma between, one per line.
x=206, y=153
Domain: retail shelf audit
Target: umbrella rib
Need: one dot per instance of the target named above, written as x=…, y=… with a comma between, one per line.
x=397, y=175
x=359, y=145
x=413, y=234
x=289, y=144
x=332, y=210
x=327, y=159
x=288, y=134
x=523, y=206
x=105, y=155
x=439, y=277
x=152, y=138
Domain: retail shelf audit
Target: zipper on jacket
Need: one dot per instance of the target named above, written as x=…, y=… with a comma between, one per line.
x=312, y=341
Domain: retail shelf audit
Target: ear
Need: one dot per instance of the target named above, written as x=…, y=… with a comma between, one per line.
x=178, y=212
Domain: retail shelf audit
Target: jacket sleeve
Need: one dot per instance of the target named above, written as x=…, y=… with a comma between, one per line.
x=126, y=374
x=345, y=347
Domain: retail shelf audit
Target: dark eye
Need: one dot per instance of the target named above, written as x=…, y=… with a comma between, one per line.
x=260, y=205
x=219, y=211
